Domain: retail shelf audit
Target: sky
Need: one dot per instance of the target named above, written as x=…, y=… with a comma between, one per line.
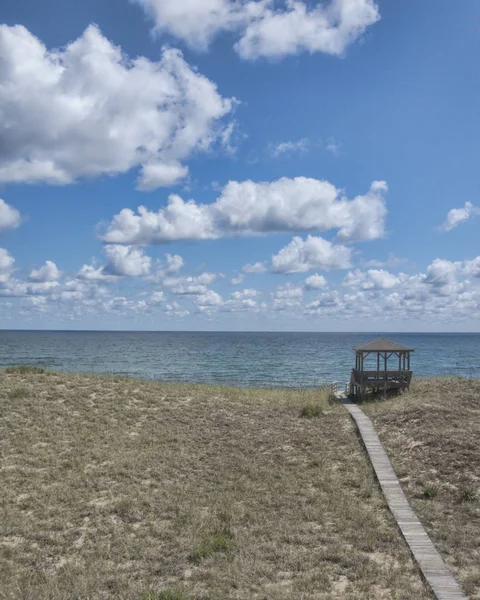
x=240, y=165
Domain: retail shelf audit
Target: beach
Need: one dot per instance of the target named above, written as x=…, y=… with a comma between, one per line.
x=115, y=487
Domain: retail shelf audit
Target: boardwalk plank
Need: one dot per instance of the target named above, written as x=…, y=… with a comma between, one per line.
x=432, y=566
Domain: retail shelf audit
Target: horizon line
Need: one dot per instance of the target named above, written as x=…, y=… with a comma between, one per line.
x=373, y=332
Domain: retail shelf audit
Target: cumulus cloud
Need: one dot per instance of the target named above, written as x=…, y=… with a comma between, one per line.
x=88, y=109
x=459, y=215
x=315, y=282
x=192, y=285
x=209, y=298
x=92, y=273
x=258, y=267
x=49, y=272
x=6, y=260
x=312, y=253
x=442, y=272
x=373, y=279
x=288, y=291
x=122, y=261
x=267, y=27
x=173, y=263
x=125, y=261
x=248, y=208
x=472, y=267
x=243, y=294
x=9, y=216
x=237, y=280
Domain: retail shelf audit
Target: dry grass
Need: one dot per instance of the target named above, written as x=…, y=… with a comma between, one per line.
x=117, y=488
x=432, y=436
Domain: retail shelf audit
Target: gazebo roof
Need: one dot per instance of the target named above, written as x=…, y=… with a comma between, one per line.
x=382, y=345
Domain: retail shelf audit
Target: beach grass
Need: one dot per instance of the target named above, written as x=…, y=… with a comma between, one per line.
x=432, y=436
x=119, y=488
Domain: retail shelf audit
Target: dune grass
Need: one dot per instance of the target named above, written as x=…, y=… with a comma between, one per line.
x=432, y=436
x=119, y=488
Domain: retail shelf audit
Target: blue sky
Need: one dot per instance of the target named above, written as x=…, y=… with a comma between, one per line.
x=302, y=166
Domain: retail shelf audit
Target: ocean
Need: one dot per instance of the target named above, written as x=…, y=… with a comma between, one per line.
x=253, y=359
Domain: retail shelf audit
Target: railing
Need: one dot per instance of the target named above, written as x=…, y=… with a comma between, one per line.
x=334, y=387
x=360, y=376
x=347, y=389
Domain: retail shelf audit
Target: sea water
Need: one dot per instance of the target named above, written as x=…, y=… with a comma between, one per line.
x=231, y=358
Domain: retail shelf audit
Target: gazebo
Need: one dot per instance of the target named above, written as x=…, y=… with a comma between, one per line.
x=377, y=353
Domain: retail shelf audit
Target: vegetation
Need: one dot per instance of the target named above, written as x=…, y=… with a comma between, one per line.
x=311, y=410
x=126, y=489
x=432, y=436
x=24, y=369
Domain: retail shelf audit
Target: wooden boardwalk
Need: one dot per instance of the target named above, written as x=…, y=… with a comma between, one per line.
x=434, y=570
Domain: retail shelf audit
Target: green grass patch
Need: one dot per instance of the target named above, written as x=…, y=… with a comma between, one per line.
x=24, y=369
x=17, y=393
x=209, y=546
x=429, y=492
x=309, y=411
x=468, y=495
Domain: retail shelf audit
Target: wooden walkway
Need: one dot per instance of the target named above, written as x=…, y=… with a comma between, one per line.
x=434, y=570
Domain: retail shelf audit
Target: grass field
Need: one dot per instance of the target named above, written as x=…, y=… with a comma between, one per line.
x=432, y=436
x=119, y=488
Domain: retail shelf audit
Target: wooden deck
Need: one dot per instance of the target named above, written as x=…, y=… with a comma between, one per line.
x=434, y=570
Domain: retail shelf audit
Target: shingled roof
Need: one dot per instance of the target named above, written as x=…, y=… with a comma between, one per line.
x=382, y=345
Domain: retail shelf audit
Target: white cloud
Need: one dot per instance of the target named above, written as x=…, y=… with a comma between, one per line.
x=171, y=265
x=9, y=216
x=122, y=261
x=258, y=267
x=157, y=297
x=373, y=279
x=157, y=174
x=441, y=271
x=191, y=285
x=472, y=267
x=247, y=208
x=209, y=298
x=312, y=253
x=328, y=28
x=90, y=273
x=178, y=221
x=243, y=294
x=237, y=280
x=459, y=215
x=125, y=261
x=88, y=109
x=288, y=291
x=265, y=27
x=315, y=282
x=301, y=146
x=174, y=263
x=6, y=261
x=49, y=272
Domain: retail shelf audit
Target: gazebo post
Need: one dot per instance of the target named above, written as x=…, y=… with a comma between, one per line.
x=385, y=376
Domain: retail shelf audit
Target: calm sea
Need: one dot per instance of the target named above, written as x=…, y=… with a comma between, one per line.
x=240, y=359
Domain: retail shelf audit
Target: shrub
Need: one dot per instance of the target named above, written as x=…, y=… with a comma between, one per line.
x=468, y=495
x=310, y=410
x=24, y=369
x=429, y=492
x=208, y=546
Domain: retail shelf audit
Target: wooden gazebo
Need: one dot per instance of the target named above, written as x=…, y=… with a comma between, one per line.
x=377, y=353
